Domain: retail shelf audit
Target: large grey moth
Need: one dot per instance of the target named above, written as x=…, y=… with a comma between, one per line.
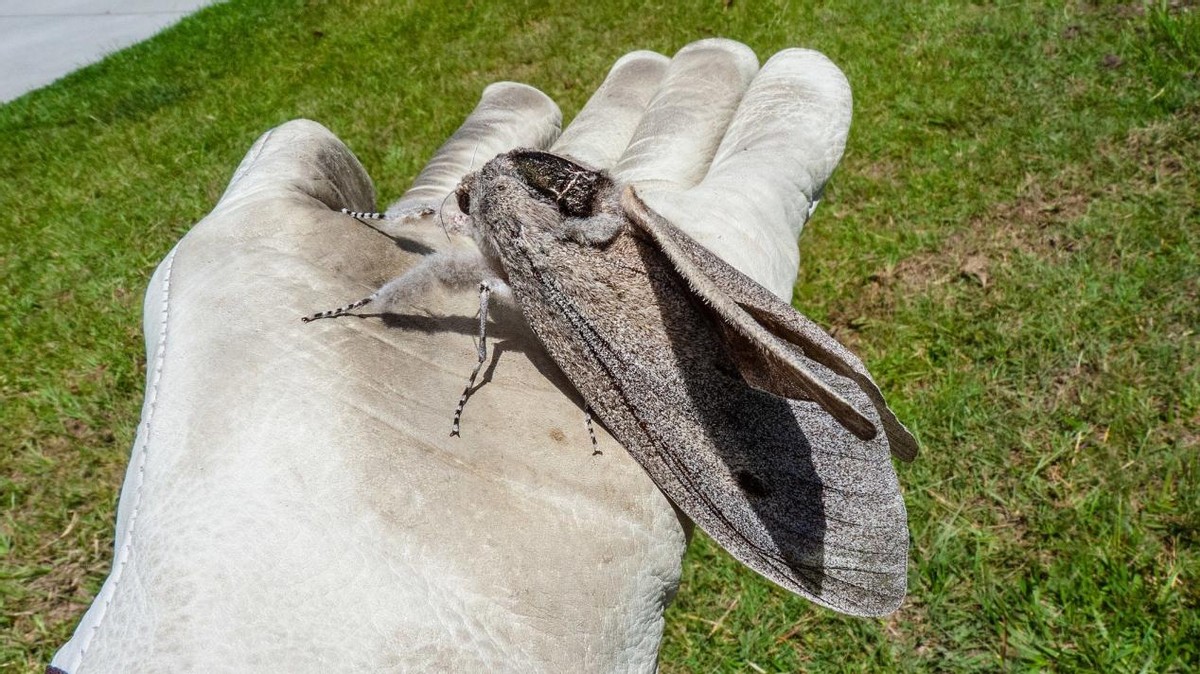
x=763, y=429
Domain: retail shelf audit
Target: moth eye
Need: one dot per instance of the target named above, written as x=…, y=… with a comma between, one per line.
x=463, y=196
x=751, y=484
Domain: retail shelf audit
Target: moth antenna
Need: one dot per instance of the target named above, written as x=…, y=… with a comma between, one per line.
x=471, y=164
x=340, y=311
x=485, y=292
x=442, y=215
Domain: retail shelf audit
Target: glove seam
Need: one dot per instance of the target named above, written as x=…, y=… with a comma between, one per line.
x=249, y=161
x=140, y=455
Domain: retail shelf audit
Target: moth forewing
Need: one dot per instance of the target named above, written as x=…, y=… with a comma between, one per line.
x=773, y=326
x=736, y=317
x=779, y=483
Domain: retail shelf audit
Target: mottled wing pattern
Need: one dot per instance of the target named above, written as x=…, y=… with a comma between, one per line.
x=777, y=481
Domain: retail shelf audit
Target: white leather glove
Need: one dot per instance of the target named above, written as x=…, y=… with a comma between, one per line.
x=294, y=500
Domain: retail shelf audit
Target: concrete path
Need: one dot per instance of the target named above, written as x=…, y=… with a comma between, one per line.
x=42, y=40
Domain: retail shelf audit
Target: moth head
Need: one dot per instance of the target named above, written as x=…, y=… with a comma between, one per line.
x=571, y=187
x=525, y=194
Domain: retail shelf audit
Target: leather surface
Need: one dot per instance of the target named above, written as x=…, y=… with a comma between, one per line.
x=294, y=500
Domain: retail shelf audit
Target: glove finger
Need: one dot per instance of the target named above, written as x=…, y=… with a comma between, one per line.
x=299, y=161
x=509, y=115
x=783, y=144
x=601, y=131
x=676, y=139
x=786, y=138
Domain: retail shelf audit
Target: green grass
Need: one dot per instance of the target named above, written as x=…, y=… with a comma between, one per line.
x=1011, y=244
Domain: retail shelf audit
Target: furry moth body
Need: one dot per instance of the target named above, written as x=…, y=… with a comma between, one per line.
x=760, y=427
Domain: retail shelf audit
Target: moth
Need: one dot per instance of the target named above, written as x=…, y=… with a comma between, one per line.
x=763, y=429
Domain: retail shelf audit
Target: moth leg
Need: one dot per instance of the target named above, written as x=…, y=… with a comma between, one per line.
x=360, y=215
x=404, y=216
x=340, y=311
x=456, y=269
x=485, y=291
x=413, y=213
x=587, y=420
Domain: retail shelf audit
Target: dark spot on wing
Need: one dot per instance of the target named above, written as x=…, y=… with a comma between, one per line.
x=751, y=484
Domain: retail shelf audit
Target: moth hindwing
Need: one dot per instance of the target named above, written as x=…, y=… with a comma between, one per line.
x=763, y=429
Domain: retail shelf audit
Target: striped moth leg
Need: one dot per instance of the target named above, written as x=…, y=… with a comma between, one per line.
x=485, y=293
x=501, y=289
